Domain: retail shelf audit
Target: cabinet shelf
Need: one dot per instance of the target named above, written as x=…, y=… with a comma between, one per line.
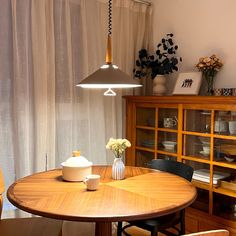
x=224, y=191
x=227, y=215
x=231, y=165
x=227, y=137
x=197, y=133
x=145, y=127
x=144, y=149
x=220, y=136
x=167, y=153
x=167, y=130
x=196, y=159
x=200, y=184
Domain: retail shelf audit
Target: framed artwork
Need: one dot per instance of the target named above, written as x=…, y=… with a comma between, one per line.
x=188, y=83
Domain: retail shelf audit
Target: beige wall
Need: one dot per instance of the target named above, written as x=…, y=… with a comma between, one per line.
x=201, y=28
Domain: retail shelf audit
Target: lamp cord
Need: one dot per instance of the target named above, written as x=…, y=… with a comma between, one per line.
x=109, y=17
x=108, y=52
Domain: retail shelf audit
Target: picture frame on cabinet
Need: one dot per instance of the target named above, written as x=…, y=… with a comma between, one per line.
x=188, y=83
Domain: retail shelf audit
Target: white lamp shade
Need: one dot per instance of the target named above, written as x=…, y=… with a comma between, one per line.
x=109, y=76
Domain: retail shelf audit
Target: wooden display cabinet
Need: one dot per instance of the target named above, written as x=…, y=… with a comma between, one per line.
x=199, y=131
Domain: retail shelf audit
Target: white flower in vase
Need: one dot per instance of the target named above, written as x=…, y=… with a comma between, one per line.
x=118, y=147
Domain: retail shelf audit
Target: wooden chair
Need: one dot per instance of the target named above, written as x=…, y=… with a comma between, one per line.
x=161, y=224
x=219, y=232
x=34, y=226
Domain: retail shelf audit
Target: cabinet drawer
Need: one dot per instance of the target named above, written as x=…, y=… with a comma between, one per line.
x=191, y=224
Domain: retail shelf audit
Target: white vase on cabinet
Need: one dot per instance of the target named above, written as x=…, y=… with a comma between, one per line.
x=159, y=87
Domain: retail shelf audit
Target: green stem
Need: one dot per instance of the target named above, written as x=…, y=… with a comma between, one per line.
x=209, y=77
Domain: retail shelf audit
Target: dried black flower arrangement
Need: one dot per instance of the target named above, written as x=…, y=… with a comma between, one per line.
x=164, y=62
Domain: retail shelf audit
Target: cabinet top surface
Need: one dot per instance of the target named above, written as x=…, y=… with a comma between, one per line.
x=183, y=99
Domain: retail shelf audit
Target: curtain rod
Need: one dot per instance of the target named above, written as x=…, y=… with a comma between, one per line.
x=143, y=2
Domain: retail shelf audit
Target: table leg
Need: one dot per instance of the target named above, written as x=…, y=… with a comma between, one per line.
x=103, y=229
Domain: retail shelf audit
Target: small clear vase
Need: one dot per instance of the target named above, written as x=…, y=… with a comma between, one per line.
x=118, y=169
x=210, y=83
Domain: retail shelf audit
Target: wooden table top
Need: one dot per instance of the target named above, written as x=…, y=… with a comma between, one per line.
x=144, y=193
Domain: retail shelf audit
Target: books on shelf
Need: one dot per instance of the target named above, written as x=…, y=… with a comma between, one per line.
x=204, y=176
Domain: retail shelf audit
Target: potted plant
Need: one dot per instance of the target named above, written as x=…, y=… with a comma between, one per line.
x=163, y=62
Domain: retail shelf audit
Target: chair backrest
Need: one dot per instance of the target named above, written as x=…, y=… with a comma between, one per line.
x=220, y=232
x=1, y=191
x=174, y=167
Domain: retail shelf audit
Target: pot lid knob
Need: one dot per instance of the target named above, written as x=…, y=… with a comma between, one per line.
x=76, y=153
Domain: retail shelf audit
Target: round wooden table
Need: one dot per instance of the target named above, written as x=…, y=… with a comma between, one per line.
x=144, y=193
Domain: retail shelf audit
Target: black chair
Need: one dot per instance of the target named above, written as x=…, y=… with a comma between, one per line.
x=161, y=224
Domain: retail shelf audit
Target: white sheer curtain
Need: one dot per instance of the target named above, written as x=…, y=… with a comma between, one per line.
x=47, y=47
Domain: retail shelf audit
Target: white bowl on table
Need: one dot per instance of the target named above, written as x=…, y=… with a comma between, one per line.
x=169, y=145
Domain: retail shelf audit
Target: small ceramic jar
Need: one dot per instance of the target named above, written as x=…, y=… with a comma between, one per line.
x=76, y=168
x=218, y=91
x=227, y=91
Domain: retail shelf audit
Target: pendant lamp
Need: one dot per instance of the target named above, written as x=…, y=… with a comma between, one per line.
x=109, y=76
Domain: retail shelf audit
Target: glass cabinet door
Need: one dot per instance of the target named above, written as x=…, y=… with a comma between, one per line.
x=225, y=123
x=145, y=138
x=197, y=128
x=168, y=118
x=196, y=146
x=202, y=201
x=167, y=141
x=225, y=150
x=224, y=206
x=145, y=135
x=142, y=158
x=197, y=121
x=201, y=179
x=167, y=132
x=145, y=116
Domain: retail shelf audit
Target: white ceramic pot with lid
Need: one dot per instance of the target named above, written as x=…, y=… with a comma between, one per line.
x=76, y=168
